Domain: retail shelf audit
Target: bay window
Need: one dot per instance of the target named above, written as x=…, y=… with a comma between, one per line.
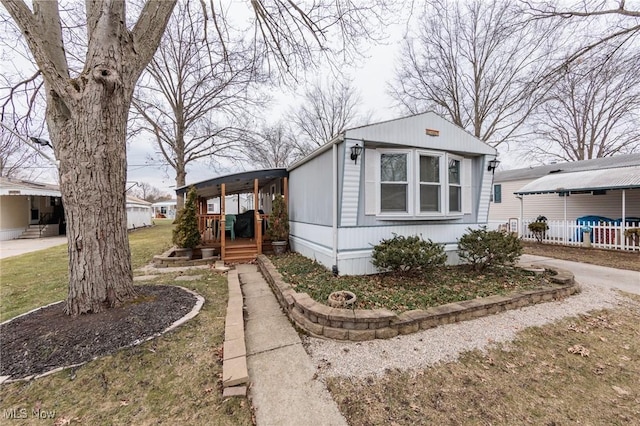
x=414, y=183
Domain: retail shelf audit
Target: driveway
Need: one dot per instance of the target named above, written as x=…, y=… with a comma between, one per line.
x=16, y=247
x=602, y=276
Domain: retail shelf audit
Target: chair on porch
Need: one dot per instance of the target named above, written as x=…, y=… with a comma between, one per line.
x=229, y=224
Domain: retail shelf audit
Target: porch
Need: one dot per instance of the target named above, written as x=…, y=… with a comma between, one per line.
x=237, y=230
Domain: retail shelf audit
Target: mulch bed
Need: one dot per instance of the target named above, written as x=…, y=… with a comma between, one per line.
x=48, y=338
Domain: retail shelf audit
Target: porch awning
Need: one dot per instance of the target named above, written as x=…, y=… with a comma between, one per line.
x=589, y=180
x=237, y=183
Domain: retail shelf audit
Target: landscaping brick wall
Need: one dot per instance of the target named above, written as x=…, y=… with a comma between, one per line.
x=361, y=324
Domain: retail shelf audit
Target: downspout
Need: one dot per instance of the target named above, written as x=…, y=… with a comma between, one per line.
x=521, y=224
x=624, y=220
x=564, y=233
x=334, y=209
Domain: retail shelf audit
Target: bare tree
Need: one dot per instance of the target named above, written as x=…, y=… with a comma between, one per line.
x=326, y=110
x=16, y=159
x=591, y=112
x=273, y=147
x=477, y=64
x=605, y=26
x=87, y=111
x=147, y=192
x=192, y=92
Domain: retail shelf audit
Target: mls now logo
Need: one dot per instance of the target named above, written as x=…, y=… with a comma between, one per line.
x=15, y=413
x=22, y=413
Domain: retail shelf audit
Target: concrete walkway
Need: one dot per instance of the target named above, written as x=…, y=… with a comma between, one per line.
x=11, y=248
x=601, y=276
x=284, y=390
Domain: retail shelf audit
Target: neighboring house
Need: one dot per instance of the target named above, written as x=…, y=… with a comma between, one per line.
x=572, y=193
x=25, y=204
x=34, y=210
x=164, y=209
x=418, y=175
x=139, y=213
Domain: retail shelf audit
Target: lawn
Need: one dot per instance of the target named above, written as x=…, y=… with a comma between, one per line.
x=173, y=379
x=402, y=293
x=580, y=370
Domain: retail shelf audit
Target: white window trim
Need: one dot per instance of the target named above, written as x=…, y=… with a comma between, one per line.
x=410, y=179
x=413, y=185
x=459, y=184
x=442, y=178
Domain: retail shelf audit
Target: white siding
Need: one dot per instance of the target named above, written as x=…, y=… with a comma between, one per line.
x=410, y=131
x=370, y=200
x=139, y=216
x=11, y=234
x=310, y=191
x=318, y=234
x=485, y=196
x=552, y=206
x=350, y=187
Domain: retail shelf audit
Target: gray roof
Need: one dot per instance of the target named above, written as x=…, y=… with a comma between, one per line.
x=413, y=131
x=587, y=180
x=236, y=183
x=574, y=166
x=10, y=186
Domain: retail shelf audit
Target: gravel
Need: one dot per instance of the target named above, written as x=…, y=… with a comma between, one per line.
x=446, y=343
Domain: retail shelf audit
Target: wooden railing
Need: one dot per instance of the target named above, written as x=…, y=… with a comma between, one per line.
x=208, y=224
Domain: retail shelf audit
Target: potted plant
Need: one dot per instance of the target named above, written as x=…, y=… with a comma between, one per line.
x=539, y=228
x=186, y=235
x=278, y=227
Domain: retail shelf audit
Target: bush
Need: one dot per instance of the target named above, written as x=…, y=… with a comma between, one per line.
x=633, y=234
x=485, y=249
x=408, y=254
x=538, y=229
x=278, y=228
x=186, y=233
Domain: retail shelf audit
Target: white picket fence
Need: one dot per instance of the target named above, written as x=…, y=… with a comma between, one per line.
x=607, y=235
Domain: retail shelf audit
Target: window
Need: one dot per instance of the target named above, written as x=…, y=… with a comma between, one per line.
x=416, y=183
x=393, y=183
x=455, y=186
x=429, y=183
x=497, y=193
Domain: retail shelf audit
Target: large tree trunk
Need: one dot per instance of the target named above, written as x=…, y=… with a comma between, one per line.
x=87, y=118
x=91, y=147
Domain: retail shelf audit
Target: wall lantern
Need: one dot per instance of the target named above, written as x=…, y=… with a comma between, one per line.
x=355, y=152
x=493, y=165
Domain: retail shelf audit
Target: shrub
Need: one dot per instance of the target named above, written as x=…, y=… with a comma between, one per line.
x=633, y=234
x=408, y=254
x=186, y=233
x=485, y=249
x=538, y=229
x=278, y=228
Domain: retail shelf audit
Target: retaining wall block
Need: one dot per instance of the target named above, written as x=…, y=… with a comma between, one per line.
x=335, y=333
x=361, y=335
x=304, y=323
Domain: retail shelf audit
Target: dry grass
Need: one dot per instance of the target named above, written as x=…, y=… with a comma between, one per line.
x=578, y=371
x=612, y=258
x=173, y=379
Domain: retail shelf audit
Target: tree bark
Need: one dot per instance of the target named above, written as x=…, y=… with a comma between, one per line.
x=87, y=118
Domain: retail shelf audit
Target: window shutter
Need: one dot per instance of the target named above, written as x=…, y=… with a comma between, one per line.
x=370, y=204
x=466, y=186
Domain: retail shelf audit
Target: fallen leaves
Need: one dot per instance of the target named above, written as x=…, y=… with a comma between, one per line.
x=620, y=391
x=579, y=350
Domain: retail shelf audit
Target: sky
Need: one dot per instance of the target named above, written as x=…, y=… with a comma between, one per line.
x=370, y=76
